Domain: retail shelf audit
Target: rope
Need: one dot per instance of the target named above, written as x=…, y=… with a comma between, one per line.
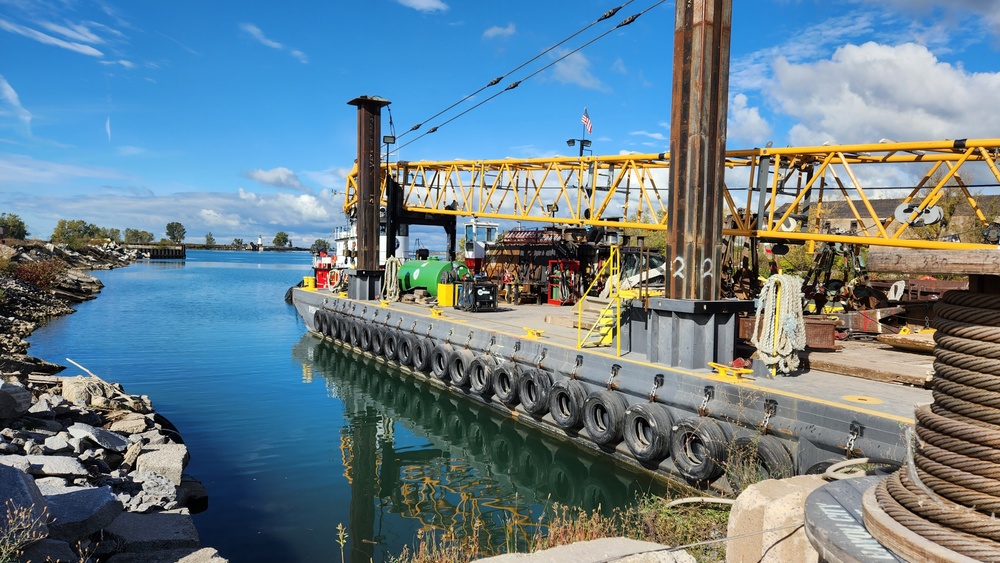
x=390, y=283
x=950, y=490
x=779, y=330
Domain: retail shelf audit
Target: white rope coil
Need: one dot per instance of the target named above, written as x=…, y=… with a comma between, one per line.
x=779, y=330
x=390, y=284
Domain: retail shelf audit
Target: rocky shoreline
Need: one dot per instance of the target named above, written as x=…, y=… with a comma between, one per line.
x=87, y=471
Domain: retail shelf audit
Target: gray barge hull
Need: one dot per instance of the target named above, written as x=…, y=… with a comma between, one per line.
x=817, y=418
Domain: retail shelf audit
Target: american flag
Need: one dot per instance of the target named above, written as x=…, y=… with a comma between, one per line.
x=586, y=121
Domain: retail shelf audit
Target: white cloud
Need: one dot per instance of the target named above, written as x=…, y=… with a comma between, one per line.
x=745, y=123
x=9, y=95
x=332, y=178
x=128, y=150
x=121, y=62
x=657, y=136
x=575, y=69
x=425, y=5
x=619, y=67
x=497, y=31
x=74, y=32
x=213, y=218
x=870, y=91
x=255, y=32
x=107, y=128
x=279, y=177
x=49, y=40
x=24, y=170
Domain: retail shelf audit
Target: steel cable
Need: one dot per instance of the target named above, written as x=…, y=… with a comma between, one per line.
x=950, y=493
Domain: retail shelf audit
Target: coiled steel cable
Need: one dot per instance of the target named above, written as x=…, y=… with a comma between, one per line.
x=950, y=494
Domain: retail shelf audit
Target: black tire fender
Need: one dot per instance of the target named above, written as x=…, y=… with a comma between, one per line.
x=698, y=449
x=756, y=458
x=648, y=427
x=355, y=332
x=458, y=367
x=566, y=400
x=319, y=322
x=365, y=336
x=481, y=375
x=439, y=360
x=378, y=333
x=329, y=324
x=505, y=383
x=534, y=389
x=390, y=344
x=422, y=348
x=404, y=349
x=604, y=416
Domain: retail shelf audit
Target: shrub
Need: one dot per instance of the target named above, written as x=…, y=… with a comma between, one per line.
x=42, y=273
x=18, y=530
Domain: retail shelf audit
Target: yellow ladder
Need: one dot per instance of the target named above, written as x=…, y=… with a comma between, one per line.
x=607, y=326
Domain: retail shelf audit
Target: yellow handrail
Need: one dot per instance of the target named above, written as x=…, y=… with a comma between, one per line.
x=613, y=267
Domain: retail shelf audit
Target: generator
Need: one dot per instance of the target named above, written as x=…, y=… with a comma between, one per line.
x=476, y=296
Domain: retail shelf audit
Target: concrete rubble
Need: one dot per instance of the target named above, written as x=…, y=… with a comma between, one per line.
x=89, y=471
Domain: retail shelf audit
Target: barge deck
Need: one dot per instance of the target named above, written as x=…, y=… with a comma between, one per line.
x=791, y=425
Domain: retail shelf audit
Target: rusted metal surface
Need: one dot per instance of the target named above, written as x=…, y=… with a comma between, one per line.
x=697, y=146
x=821, y=333
x=369, y=157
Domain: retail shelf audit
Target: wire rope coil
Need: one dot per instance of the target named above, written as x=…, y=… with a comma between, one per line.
x=949, y=491
x=390, y=283
x=779, y=330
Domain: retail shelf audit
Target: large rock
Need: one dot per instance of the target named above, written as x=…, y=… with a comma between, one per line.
x=763, y=519
x=203, y=555
x=15, y=400
x=46, y=465
x=168, y=460
x=19, y=492
x=104, y=438
x=79, y=512
x=156, y=531
x=51, y=551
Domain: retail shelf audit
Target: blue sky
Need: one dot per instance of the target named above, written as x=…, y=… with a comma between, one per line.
x=232, y=116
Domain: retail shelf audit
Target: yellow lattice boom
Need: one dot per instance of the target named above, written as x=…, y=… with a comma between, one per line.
x=631, y=190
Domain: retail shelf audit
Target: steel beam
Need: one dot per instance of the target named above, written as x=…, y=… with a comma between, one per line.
x=369, y=160
x=698, y=147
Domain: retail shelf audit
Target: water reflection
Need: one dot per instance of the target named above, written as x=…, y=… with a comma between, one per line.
x=447, y=464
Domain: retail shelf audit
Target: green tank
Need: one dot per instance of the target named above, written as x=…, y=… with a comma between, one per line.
x=426, y=274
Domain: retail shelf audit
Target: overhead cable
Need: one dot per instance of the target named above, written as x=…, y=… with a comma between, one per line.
x=517, y=83
x=608, y=14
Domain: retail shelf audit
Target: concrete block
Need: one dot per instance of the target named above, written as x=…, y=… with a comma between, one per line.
x=50, y=551
x=46, y=465
x=203, y=555
x=598, y=551
x=105, y=438
x=15, y=400
x=81, y=511
x=767, y=512
x=167, y=460
x=155, y=531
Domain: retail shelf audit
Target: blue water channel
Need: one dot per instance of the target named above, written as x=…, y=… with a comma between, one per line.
x=293, y=436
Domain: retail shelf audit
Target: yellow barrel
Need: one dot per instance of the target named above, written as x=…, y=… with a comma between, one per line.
x=309, y=282
x=446, y=294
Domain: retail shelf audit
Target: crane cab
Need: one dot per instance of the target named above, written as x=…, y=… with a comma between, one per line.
x=479, y=237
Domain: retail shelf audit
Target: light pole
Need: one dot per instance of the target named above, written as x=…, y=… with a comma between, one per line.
x=584, y=144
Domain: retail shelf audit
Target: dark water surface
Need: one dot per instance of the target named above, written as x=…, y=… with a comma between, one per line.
x=292, y=435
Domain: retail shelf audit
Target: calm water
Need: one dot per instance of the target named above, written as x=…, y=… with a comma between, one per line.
x=293, y=436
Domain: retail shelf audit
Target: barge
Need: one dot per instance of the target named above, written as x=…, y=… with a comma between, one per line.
x=702, y=426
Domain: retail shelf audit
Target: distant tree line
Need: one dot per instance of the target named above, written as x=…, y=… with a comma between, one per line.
x=77, y=232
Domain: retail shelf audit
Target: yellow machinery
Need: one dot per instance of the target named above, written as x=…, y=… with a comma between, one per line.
x=629, y=191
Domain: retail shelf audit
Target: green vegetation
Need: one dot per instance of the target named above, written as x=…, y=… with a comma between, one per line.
x=136, y=236
x=651, y=519
x=238, y=243
x=320, y=245
x=11, y=226
x=176, y=232
x=75, y=232
x=209, y=239
x=281, y=239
